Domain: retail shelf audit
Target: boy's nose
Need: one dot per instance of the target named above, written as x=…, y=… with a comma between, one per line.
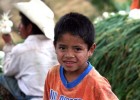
x=69, y=54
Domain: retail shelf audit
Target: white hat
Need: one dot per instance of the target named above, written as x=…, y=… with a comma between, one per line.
x=40, y=14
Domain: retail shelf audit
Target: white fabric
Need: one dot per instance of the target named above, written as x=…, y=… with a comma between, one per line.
x=40, y=14
x=29, y=62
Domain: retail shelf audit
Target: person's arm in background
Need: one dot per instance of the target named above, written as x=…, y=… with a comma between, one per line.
x=8, y=43
x=9, y=60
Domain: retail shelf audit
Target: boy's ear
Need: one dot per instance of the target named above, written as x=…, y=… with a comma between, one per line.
x=91, y=50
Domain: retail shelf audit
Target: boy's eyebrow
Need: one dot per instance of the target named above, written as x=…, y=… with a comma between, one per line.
x=62, y=45
x=75, y=46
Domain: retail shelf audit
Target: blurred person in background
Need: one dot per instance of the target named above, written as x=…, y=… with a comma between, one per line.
x=26, y=64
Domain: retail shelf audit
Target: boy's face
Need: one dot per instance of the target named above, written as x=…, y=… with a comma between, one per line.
x=72, y=53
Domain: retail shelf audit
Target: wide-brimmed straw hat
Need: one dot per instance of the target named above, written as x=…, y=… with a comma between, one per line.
x=40, y=14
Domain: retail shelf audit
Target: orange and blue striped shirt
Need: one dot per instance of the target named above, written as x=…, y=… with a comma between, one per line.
x=90, y=85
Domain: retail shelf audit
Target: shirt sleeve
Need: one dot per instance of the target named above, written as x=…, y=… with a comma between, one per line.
x=10, y=61
x=47, y=88
x=104, y=92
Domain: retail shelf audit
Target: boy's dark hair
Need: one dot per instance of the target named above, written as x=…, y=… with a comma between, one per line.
x=76, y=24
x=26, y=21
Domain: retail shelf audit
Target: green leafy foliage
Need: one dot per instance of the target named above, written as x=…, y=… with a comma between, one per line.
x=117, y=55
x=111, y=5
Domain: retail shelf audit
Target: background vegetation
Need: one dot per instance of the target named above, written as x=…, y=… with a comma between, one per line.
x=117, y=56
x=111, y=5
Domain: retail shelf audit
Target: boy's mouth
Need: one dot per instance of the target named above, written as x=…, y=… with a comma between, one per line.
x=69, y=63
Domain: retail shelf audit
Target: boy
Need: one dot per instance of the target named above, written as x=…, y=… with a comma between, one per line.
x=75, y=78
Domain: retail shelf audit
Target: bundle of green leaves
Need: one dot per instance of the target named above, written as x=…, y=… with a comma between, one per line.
x=117, y=55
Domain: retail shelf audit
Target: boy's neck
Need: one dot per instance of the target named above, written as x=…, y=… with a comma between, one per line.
x=71, y=76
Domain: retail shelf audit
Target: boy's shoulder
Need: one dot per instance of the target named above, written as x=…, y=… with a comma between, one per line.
x=96, y=78
x=53, y=74
x=54, y=69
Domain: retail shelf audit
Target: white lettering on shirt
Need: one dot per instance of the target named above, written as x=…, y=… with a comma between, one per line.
x=54, y=96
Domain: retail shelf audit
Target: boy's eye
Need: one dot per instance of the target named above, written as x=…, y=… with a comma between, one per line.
x=78, y=49
x=62, y=48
